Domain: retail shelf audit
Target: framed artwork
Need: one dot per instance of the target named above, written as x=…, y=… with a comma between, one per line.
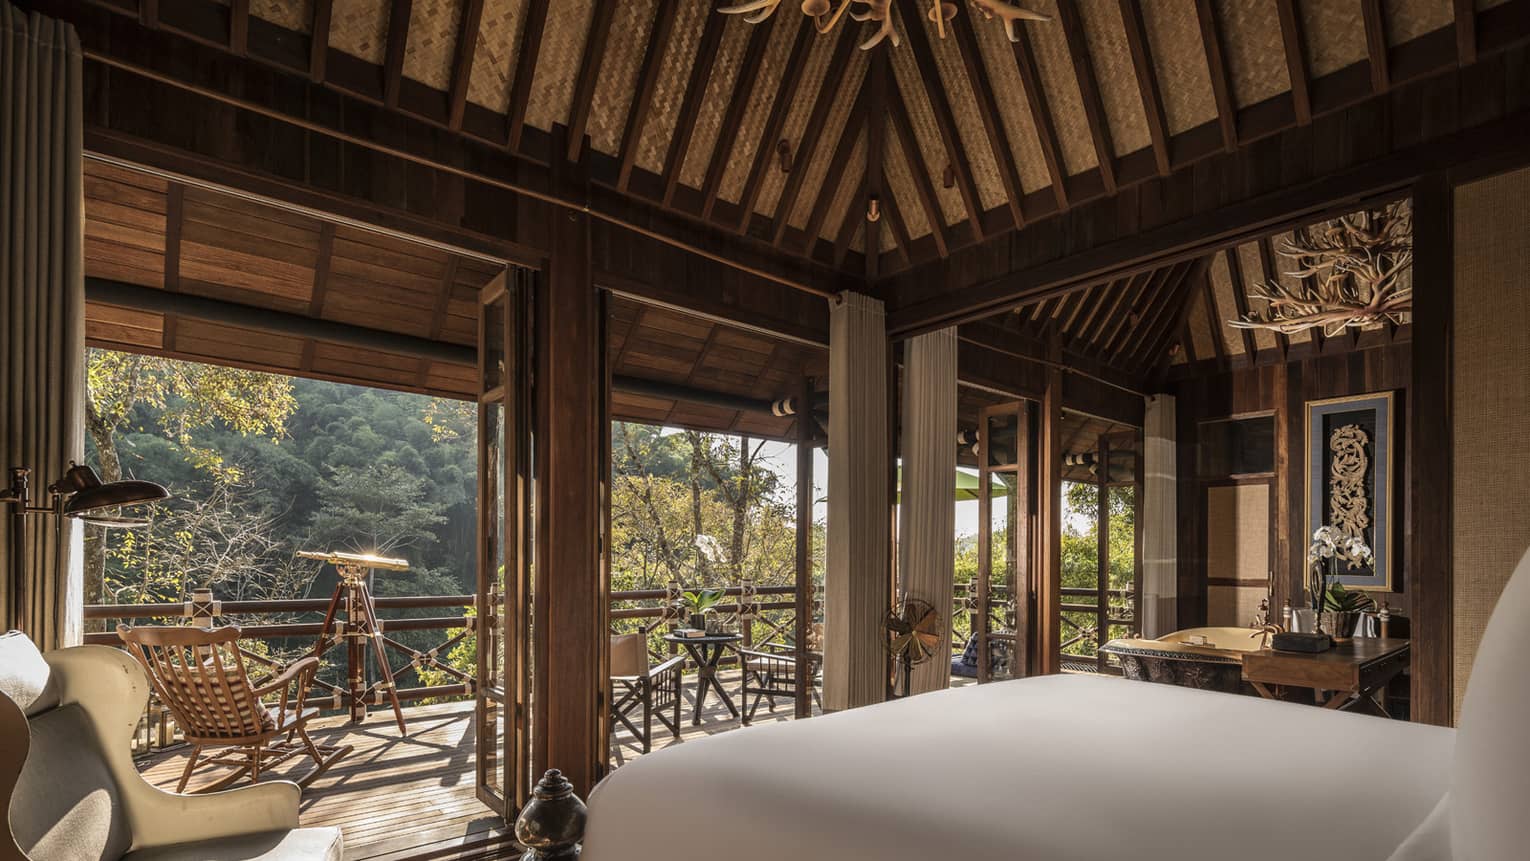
x=1349, y=479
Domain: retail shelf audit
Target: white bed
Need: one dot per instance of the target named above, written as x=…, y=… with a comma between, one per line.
x=1070, y=767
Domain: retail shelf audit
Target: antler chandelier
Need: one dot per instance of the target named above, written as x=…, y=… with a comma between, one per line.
x=826, y=15
x=1353, y=271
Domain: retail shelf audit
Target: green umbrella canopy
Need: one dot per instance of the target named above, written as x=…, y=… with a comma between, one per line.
x=968, y=483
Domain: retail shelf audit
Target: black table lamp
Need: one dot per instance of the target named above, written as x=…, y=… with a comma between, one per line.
x=80, y=494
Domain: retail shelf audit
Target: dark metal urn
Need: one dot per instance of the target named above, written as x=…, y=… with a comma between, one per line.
x=552, y=823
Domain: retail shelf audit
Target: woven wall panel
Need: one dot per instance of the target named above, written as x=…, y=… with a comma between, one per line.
x=901, y=183
x=1055, y=67
x=295, y=15
x=1252, y=47
x=558, y=61
x=615, y=88
x=814, y=79
x=1490, y=394
x=931, y=147
x=1238, y=533
x=1014, y=108
x=432, y=41
x=745, y=140
x=818, y=166
x=499, y=41
x=1252, y=268
x=1116, y=76
x=969, y=123
x=1335, y=31
x=669, y=89
x=845, y=192
x=1226, y=307
x=360, y=28
x=1233, y=606
x=1409, y=19
x=1184, y=79
x=719, y=93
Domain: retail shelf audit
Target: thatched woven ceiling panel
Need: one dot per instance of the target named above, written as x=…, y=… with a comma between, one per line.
x=1409, y=19
x=719, y=93
x=1290, y=281
x=845, y=191
x=669, y=89
x=631, y=27
x=1063, y=97
x=558, y=61
x=814, y=76
x=1226, y=307
x=1255, y=55
x=1014, y=107
x=901, y=183
x=432, y=42
x=1201, y=337
x=1117, y=77
x=1184, y=79
x=932, y=150
x=499, y=40
x=745, y=140
x=1335, y=36
x=818, y=166
x=1251, y=267
x=295, y=15
x=360, y=28
x=969, y=123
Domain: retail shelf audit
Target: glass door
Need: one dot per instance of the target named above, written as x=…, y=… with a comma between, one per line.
x=1003, y=618
x=503, y=583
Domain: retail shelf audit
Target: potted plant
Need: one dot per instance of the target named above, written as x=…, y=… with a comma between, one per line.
x=1342, y=609
x=1335, y=607
x=700, y=602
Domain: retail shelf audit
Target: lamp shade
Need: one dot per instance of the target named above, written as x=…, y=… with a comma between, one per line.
x=85, y=493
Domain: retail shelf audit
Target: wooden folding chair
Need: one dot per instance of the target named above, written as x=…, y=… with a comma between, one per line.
x=199, y=674
x=636, y=685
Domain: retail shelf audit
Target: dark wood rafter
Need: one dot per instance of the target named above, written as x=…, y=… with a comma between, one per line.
x=945, y=118
x=739, y=101
x=1187, y=344
x=438, y=313
x=324, y=259
x=1089, y=90
x=786, y=96
x=1218, y=331
x=839, y=64
x=525, y=70
x=879, y=83
x=1132, y=317
x=1041, y=114
x=1240, y=300
x=642, y=100
x=1097, y=303
x=838, y=164
x=239, y=27
x=462, y=62
x=1161, y=318
x=1268, y=271
x=148, y=12
x=393, y=61
x=1295, y=43
x=1376, y=45
x=848, y=226
x=908, y=145
x=988, y=111
x=895, y=223
x=1221, y=81
x=695, y=95
x=1109, y=302
x=1041, y=319
x=1466, y=31
x=589, y=75
x=1147, y=82
x=318, y=40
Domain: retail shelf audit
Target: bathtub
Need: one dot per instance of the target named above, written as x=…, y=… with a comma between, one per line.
x=1205, y=658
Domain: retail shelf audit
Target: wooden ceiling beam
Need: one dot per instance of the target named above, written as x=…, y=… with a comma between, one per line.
x=895, y=223
x=589, y=75
x=880, y=81
x=325, y=258
x=1376, y=45
x=945, y=119
x=1089, y=89
x=1187, y=343
x=393, y=59
x=318, y=39
x=1113, y=294
x=1218, y=337
x=1041, y=116
x=838, y=164
x=839, y=65
x=786, y=96
x=1147, y=82
x=1267, y=268
x=739, y=102
x=1466, y=31
x=848, y=226
x=1137, y=339
x=1240, y=299
x=148, y=12
x=1132, y=306
x=908, y=144
x=988, y=111
x=1221, y=80
x=642, y=100
x=462, y=63
x=525, y=70
x=1092, y=307
x=239, y=27
x=695, y=94
x=1296, y=59
x=1169, y=317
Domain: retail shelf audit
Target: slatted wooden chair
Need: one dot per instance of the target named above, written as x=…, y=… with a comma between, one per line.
x=636, y=685
x=771, y=671
x=199, y=674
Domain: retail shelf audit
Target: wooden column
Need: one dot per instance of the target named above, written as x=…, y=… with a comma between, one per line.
x=570, y=611
x=1430, y=579
x=1049, y=516
x=806, y=431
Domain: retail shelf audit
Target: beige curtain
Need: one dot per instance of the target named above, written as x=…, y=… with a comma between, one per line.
x=42, y=294
x=1160, y=519
x=857, y=579
x=927, y=507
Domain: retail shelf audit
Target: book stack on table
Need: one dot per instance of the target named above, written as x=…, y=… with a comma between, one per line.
x=690, y=633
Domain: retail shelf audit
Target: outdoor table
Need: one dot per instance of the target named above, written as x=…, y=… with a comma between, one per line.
x=706, y=652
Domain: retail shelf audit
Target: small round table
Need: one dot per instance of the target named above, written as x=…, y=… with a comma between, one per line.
x=706, y=652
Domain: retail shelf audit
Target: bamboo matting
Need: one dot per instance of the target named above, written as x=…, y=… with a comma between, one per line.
x=901, y=183
x=969, y=123
x=558, y=61
x=817, y=166
x=1335, y=34
x=360, y=28
x=745, y=140
x=1251, y=267
x=1226, y=306
x=718, y=95
x=844, y=194
x=295, y=15
x=669, y=89
x=1014, y=107
x=794, y=130
x=1184, y=79
x=499, y=41
x=1055, y=67
x=616, y=86
x=1408, y=19
x=932, y=150
x=432, y=42
x=1120, y=94
x=1253, y=50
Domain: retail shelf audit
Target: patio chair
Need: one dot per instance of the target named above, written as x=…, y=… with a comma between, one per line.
x=771, y=671
x=72, y=792
x=199, y=674
x=636, y=685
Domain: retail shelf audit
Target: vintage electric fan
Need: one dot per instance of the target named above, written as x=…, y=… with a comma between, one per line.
x=913, y=634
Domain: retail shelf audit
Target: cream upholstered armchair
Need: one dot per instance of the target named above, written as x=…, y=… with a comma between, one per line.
x=68, y=781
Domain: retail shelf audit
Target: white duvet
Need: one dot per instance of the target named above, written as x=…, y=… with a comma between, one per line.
x=1050, y=769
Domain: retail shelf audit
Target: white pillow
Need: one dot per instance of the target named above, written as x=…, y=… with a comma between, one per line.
x=1430, y=841
x=1490, y=779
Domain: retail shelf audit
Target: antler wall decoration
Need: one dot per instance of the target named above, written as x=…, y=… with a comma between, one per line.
x=826, y=15
x=1352, y=272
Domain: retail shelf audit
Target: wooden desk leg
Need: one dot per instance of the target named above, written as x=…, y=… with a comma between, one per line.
x=1263, y=691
